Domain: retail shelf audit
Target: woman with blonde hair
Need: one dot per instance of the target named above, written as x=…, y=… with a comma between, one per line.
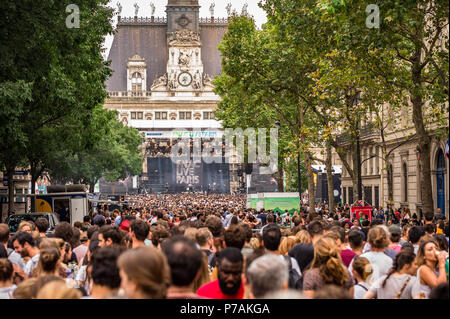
x=361, y=273
x=286, y=244
x=26, y=226
x=431, y=264
x=327, y=268
x=144, y=273
x=303, y=237
x=57, y=289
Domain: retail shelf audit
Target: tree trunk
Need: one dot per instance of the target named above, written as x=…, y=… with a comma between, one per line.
x=390, y=182
x=330, y=184
x=424, y=139
x=279, y=179
x=310, y=174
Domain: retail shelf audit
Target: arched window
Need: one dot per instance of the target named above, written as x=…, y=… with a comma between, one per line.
x=136, y=82
x=405, y=182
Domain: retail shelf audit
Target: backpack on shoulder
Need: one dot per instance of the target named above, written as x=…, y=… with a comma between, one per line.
x=295, y=279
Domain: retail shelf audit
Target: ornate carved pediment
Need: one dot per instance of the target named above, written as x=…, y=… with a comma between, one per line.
x=148, y=116
x=183, y=21
x=197, y=116
x=173, y=116
x=184, y=37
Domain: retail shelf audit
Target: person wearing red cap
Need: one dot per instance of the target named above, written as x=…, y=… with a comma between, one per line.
x=125, y=225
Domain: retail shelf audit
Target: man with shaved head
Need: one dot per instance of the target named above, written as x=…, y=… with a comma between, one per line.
x=185, y=261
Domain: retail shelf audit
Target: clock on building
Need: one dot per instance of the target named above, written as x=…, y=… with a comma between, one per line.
x=185, y=79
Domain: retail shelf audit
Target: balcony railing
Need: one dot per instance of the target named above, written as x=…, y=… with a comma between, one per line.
x=157, y=20
x=118, y=94
x=141, y=20
x=367, y=131
x=214, y=20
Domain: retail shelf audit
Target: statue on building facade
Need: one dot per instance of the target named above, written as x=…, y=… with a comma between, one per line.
x=207, y=80
x=228, y=7
x=211, y=9
x=244, y=9
x=119, y=8
x=197, y=84
x=136, y=9
x=184, y=60
x=161, y=81
x=173, y=82
x=184, y=37
x=152, y=6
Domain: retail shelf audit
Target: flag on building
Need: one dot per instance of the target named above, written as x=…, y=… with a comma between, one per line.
x=447, y=149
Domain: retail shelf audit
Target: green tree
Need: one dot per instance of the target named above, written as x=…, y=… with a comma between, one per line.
x=62, y=69
x=408, y=53
x=115, y=154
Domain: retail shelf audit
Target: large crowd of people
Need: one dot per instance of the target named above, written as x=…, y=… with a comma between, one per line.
x=195, y=246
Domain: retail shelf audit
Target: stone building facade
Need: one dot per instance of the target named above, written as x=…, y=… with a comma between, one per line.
x=404, y=161
x=162, y=76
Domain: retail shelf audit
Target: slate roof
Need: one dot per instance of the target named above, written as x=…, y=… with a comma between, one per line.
x=149, y=40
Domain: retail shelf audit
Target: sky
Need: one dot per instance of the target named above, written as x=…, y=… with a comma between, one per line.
x=219, y=11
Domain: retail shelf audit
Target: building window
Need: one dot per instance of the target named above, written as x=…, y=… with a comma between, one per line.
x=350, y=195
x=377, y=196
x=185, y=115
x=344, y=193
x=136, y=82
x=368, y=194
x=208, y=115
x=140, y=115
x=405, y=183
x=164, y=115
x=133, y=115
x=157, y=115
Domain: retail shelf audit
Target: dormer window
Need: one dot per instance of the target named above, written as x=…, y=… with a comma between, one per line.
x=136, y=74
x=136, y=82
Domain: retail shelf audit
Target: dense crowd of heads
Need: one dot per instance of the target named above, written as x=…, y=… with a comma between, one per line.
x=212, y=246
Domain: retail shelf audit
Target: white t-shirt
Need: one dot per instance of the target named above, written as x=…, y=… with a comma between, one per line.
x=381, y=264
x=394, y=285
x=360, y=290
x=7, y=293
x=31, y=264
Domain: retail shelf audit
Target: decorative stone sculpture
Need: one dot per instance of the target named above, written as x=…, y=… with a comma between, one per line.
x=161, y=81
x=228, y=7
x=173, y=82
x=152, y=5
x=197, y=84
x=136, y=9
x=119, y=8
x=211, y=9
x=244, y=9
x=184, y=37
x=207, y=80
x=184, y=60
